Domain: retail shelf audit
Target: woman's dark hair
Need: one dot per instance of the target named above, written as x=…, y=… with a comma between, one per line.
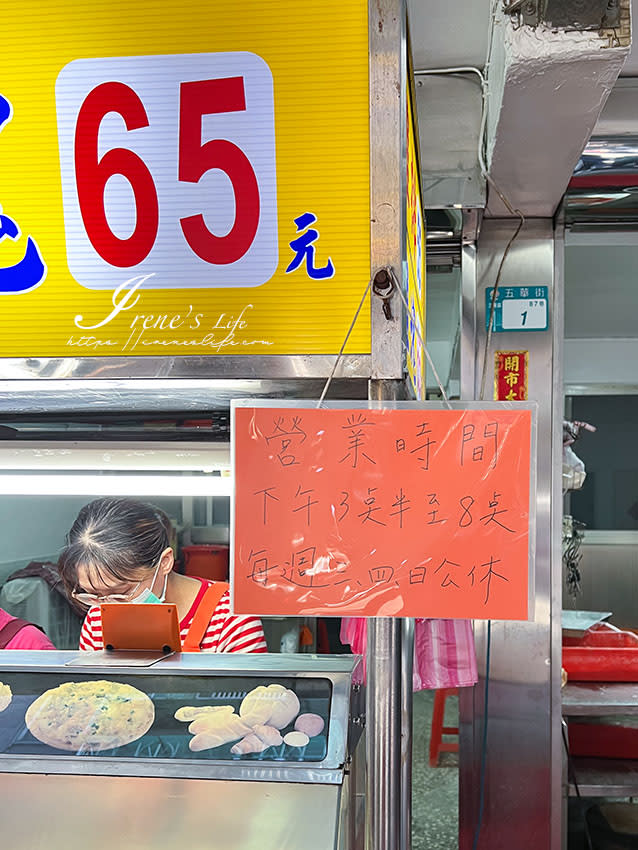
x=114, y=538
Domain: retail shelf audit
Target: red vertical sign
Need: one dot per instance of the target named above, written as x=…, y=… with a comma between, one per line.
x=510, y=375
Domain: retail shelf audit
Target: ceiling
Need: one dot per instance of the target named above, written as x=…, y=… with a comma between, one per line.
x=451, y=34
x=455, y=34
x=545, y=89
x=446, y=35
x=630, y=68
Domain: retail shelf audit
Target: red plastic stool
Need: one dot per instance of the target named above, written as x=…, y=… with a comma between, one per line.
x=437, y=745
x=323, y=641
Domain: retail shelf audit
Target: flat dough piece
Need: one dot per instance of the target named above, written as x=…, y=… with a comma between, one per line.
x=296, y=739
x=188, y=713
x=209, y=736
x=5, y=696
x=90, y=716
x=268, y=734
x=309, y=724
x=228, y=726
x=250, y=744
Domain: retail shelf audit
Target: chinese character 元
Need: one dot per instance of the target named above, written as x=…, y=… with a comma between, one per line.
x=305, y=250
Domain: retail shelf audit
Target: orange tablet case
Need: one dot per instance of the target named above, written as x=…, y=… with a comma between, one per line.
x=131, y=626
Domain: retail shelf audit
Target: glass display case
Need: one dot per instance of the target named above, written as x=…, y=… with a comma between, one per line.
x=242, y=729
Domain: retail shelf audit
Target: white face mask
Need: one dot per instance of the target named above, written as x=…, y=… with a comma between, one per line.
x=147, y=594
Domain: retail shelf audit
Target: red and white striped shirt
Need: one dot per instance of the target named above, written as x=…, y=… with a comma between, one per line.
x=225, y=633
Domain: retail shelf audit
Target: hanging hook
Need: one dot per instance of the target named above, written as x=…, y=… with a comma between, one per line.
x=383, y=285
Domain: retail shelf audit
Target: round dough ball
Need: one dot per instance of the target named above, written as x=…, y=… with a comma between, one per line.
x=310, y=724
x=256, y=706
x=285, y=709
x=5, y=696
x=90, y=716
x=273, y=705
x=296, y=739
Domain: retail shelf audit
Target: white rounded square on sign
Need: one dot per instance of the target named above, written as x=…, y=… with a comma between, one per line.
x=169, y=170
x=524, y=314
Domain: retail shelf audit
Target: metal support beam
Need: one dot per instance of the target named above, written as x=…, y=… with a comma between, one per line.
x=522, y=758
x=388, y=744
x=387, y=780
x=383, y=735
x=388, y=170
x=407, y=661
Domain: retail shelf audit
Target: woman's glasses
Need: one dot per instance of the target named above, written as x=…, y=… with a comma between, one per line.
x=96, y=599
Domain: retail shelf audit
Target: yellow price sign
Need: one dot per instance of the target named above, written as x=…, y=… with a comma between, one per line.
x=192, y=181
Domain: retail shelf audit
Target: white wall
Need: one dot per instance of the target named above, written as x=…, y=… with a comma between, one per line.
x=34, y=527
x=601, y=310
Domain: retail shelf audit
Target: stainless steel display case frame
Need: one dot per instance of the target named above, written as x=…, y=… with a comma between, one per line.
x=70, y=802
x=338, y=670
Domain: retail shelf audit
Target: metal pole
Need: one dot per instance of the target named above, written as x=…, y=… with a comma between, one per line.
x=386, y=784
x=407, y=660
x=383, y=734
x=385, y=738
x=521, y=775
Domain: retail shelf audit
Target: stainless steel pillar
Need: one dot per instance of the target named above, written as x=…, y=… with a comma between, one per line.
x=522, y=768
x=407, y=660
x=388, y=718
x=387, y=785
x=383, y=735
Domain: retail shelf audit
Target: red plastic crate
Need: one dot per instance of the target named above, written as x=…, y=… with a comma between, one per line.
x=206, y=561
x=603, y=654
x=602, y=741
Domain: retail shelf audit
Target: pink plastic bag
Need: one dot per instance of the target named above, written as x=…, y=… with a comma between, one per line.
x=444, y=653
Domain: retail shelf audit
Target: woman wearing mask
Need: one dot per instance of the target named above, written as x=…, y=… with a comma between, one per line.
x=118, y=551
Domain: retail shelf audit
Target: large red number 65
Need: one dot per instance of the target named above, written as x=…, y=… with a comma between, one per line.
x=206, y=97
x=92, y=174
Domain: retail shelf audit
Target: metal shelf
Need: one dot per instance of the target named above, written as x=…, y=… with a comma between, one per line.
x=599, y=698
x=598, y=777
x=605, y=777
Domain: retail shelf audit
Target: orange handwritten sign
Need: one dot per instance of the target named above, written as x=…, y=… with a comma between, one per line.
x=381, y=513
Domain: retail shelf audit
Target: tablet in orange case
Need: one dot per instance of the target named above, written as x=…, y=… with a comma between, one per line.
x=131, y=626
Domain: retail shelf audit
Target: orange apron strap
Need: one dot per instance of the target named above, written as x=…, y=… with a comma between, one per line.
x=203, y=616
